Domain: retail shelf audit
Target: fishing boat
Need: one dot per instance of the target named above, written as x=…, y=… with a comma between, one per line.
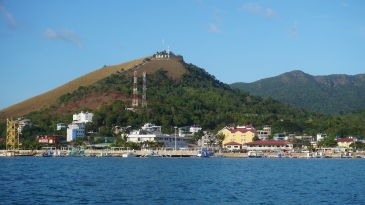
x=255, y=154
x=47, y=154
x=77, y=153
x=205, y=152
x=128, y=155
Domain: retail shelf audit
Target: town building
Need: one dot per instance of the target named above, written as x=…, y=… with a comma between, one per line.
x=151, y=132
x=61, y=126
x=189, y=130
x=54, y=139
x=321, y=136
x=239, y=135
x=279, y=136
x=23, y=123
x=83, y=117
x=75, y=130
x=265, y=133
x=272, y=145
x=344, y=142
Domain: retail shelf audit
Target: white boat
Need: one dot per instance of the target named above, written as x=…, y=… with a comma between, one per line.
x=255, y=154
x=128, y=155
x=154, y=154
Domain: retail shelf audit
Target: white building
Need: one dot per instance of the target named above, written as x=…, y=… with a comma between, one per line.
x=151, y=128
x=321, y=136
x=75, y=130
x=24, y=123
x=61, y=126
x=83, y=117
x=151, y=132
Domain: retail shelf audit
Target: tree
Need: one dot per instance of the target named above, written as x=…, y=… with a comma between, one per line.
x=256, y=138
x=220, y=137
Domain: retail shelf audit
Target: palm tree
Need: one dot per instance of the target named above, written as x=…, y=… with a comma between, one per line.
x=220, y=137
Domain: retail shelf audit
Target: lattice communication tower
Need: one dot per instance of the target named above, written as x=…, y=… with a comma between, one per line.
x=144, y=97
x=135, y=93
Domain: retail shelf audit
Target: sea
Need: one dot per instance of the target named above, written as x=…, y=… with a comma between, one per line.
x=116, y=180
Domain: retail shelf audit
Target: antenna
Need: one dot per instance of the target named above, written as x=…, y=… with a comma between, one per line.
x=135, y=94
x=168, y=51
x=144, y=103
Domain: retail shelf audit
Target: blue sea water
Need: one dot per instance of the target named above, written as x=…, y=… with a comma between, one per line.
x=113, y=180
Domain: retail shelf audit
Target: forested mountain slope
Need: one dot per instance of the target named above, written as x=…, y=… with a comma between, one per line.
x=180, y=94
x=328, y=94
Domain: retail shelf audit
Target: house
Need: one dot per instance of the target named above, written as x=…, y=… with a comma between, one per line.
x=239, y=134
x=279, y=136
x=61, y=126
x=54, y=139
x=269, y=145
x=83, y=117
x=24, y=123
x=344, y=142
x=321, y=136
x=232, y=146
x=264, y=133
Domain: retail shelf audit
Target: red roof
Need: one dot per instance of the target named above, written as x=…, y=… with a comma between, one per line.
x=269, y=142
x=247, y=128
x=345, y=140
x=232, y=143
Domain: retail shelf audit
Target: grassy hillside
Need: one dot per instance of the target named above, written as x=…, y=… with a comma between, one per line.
x=329, y=94
x=46, y=99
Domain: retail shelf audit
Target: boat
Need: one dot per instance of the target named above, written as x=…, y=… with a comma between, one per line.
x=77, y=153
x=255, y=154
x=128, y=155
x=47, y=154
x=154, y=154
x=205, y=152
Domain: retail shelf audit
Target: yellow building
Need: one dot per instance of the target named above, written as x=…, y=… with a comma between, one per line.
x=344, y=142
x=238, y=135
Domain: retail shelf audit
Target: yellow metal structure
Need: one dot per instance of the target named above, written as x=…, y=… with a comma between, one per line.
x=12, y=138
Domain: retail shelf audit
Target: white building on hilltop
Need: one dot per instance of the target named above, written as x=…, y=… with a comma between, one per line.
x=83, y=117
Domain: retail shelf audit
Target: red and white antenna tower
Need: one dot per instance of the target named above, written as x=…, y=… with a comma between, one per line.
x=135, y=94
x=144, y=103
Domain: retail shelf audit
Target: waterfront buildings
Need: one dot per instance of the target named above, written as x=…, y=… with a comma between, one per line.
x=279, y=145
x=152, y=132
x=237, y=135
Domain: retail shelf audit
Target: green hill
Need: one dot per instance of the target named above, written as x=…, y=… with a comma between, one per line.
x=328, y=94
x=179, y=94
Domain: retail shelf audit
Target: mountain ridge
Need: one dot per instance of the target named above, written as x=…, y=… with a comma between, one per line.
x=329, y=94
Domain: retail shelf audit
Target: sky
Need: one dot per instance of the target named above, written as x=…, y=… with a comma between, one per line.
x=47, y=43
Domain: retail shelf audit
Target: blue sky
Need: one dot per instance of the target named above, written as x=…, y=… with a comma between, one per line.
x=47, y=43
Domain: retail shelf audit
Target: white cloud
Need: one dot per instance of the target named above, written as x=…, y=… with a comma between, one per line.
x=258, y=10
x=64, y=35
x=294, y=31
x=254, y=8
x=271, y=13
x=8, y=16
x=213, y=28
